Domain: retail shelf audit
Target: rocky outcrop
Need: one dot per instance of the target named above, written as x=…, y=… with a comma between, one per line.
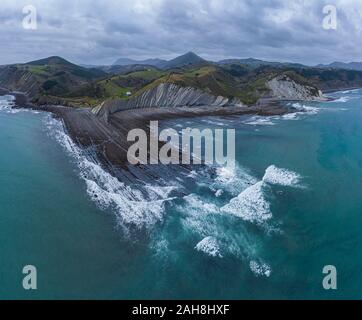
x=166, y=95
x=18, y=80
x=283, y=87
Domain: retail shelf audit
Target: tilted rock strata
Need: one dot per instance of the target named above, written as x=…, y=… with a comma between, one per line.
x=166, y=95
x=283, y=87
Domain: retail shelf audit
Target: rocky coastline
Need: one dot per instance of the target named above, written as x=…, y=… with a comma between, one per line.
x=104, y=129
x=108, y=137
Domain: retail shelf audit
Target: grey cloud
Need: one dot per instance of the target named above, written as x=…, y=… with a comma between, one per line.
x=100, y=32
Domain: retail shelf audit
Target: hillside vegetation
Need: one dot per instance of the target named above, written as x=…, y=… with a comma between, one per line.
x=57, y=81
x=51, y=77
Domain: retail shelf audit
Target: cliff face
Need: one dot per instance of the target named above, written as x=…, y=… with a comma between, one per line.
x=283, y=87
x=170, y=95
x=15, y=79
x=166, y=95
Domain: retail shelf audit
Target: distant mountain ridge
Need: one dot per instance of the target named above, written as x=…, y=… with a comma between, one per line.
x=191, y=58
x=259, y=63
x=151, y=62
x=342, y=65
x=187, y=59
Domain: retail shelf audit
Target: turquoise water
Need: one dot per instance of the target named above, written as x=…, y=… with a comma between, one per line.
x=263, y=230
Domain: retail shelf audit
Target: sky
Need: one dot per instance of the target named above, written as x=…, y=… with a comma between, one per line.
x=100, y=32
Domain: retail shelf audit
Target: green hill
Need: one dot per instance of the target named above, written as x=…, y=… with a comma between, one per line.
x=52, y=76
x=55, y=80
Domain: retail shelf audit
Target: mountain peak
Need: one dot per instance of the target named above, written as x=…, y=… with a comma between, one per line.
x=191, y=54
x=53, y=60
x=189, y=58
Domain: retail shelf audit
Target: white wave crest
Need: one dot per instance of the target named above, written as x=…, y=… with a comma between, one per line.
x=7, y=104
x=232, y=180
x=132, y=206
x=250, y=205
x=301, y=110
x=259, y=121
x=195, y=204
x=291, y=116
x=342, y=99
x=279, y=176
x=351, y=91
x=210, y=246
x=260, y=268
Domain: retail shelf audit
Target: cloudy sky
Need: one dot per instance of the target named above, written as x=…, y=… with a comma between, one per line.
x=99, y=32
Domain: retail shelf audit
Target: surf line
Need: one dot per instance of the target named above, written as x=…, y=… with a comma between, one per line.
x=191, y=145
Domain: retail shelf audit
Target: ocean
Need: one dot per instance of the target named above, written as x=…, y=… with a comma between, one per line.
x=264, y=230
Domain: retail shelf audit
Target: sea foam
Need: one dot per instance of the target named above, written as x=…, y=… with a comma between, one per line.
x=250, y=205
x=260, y=268
x=279, y=176
x=232, y=180
x=141, y=207
x=259, y=121
x=210, y=246
x=342, y=99
x=7, y=104
x=301, y=110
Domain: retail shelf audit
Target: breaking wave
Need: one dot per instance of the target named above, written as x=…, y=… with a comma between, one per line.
x=342, y=99
x=7, y=104
x=351, y=91
x=234, y=197
x=232, y=180
x=205, y=220
x=300, y=110
x=210, y=246
x=305, y=109
x=214, y=221
x=259, y=121
x=250, y=205
x=260, y=268
x=283, y=177
x=141, y=207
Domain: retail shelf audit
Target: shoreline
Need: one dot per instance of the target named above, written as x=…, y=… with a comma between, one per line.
x=108, y=140
x=341, y=90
